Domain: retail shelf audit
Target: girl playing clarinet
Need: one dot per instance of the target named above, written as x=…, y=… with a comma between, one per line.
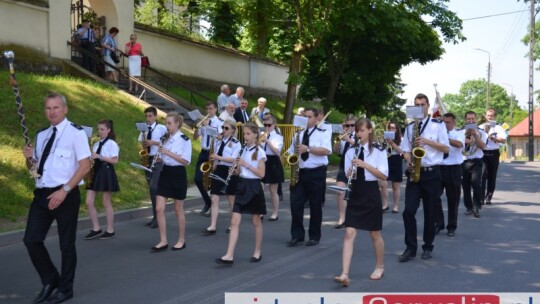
x=272, y=146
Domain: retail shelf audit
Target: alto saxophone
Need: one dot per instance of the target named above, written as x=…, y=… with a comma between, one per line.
x=90, y=175
x=207, y=167
x=417, y=154
x=293, y=159
x=143, y=153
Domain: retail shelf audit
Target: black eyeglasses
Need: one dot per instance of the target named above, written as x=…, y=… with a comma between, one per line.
x=225, y=128
x=348, y=126
x=267, y=125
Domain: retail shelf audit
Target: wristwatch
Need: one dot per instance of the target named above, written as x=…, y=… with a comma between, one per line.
x=308, y=151
x=66, y=188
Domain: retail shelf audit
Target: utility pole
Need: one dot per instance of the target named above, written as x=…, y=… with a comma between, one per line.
x=531, y=84
x=508, y=143
x=488, y=75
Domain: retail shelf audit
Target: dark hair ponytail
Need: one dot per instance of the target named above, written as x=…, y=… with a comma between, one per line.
x=255, y=129
x=108, y=123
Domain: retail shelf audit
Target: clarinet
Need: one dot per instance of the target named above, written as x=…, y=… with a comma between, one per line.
x=352, y=176
x=232, y=169
x=10, y=56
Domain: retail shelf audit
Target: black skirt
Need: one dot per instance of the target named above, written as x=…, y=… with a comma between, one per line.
x=104, y=179
x=395, y=168
x=341, y=177
x=172, y=182
x=274, y=170
x=249, y=197
x=218, y=187
x=364, y=209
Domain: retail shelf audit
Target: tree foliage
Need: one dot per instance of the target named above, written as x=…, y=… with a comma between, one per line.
x=472, y=97
x=158, y=14
x=224, y=23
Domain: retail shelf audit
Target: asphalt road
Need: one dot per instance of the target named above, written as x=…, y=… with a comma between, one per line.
x=496, y=253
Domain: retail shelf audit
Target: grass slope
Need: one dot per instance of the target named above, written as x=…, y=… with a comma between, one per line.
x=88, y=102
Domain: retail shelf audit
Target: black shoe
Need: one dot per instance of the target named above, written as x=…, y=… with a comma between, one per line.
x=45, y=292
x=224, y=262
x=438, y=229
x=406, y=256
x=385, y=209
x=426, y=255
x=312, y=243
x=228, y=230
x=488, y=202
x=153, y=224
x=488, y=198
x=178, y=248
x=255, y=260
x=209, y=232
x=469, y=212
x=340, y=226
x=476, y=213
x=294, y=242
x=106, y=235
x=158, y=249
x=92, y=235
x=60, y=297
x=273, y=219
x=205, y=209
x=451, y=232
x=150, y=222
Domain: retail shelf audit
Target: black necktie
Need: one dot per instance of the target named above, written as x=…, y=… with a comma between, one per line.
x=445, y=155
x=101, y=143
x=46, y=152
x=420, y=127
x=245, y=116
x=360, y=171
x=208, y=136
x=221, y=147
x=149, y=137
x=305, y=141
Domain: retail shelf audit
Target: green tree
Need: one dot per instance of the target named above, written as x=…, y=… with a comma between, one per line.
x=366, y=47
x=158, y=14
x=224, y=24
x=472, y=97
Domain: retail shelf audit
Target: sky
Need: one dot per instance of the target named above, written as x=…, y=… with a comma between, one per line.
x=500, y=36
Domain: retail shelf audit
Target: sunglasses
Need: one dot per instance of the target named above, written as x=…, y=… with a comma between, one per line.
x=226, y=128
x=348, y=126
x=267, y=125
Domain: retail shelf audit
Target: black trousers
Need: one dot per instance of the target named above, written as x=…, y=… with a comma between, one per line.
x=203, y=157
x=310, y=188
x=490, y=166
x=472, y=175
x=451, y=184
x=153, y=191
x=428, y=190
x=40, y=219
x=88, y=62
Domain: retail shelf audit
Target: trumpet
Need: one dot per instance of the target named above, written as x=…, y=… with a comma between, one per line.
x=341, y=137
x=199, y=124
x=255, y=118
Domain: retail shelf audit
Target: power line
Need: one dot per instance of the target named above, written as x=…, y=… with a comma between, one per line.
x=495, y=15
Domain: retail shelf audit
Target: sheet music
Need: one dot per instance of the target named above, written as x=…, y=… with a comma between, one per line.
x=88, y=131
x=415, y=112
x=141, y=126
x=337, y=128
x=195, y=115
x=300, y=121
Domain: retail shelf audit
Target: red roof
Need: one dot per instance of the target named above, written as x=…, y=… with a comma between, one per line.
x=522, y=128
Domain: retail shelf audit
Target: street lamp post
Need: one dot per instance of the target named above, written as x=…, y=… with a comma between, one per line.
x=508, y=144
x=488, y=75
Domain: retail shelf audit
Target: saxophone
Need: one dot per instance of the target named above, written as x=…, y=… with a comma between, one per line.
x=207, y=167
x=143, y=153
x=293, y=159
x=90, y=175
x=417, y=154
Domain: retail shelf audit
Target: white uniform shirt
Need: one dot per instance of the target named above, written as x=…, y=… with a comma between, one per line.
x=70, y=146
x=327, y=132
x=496, y=131
x=376, y=158
x=109, y=149
x=436, y=131
x=276, y=139
x=215, y=122
x=180, y=145
x=479, y=153
x=316, y=139
x=158, y=130
x=246, y=156
x=454, y=154
x=231, y=149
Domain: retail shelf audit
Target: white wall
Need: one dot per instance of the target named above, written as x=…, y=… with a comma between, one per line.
x=24, y=24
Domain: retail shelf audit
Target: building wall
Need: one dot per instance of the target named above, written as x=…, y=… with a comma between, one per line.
x=519, y=146
x=191, y=59
x=46, y=30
